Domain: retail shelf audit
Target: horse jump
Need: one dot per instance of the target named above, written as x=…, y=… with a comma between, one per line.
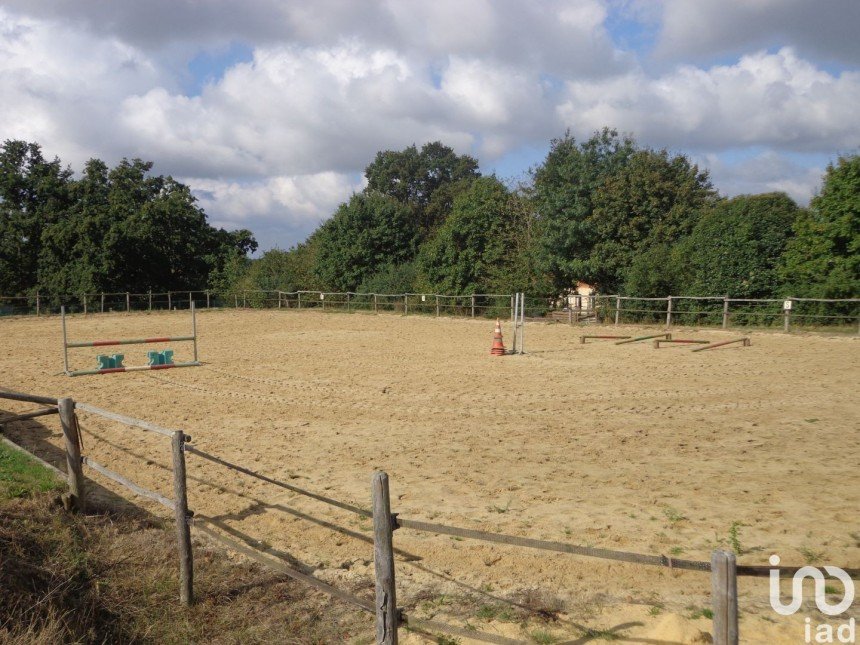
x=158, y=360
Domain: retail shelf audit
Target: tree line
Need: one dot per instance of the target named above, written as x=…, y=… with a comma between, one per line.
x=625, y=218
x=112, y=229
x=607, y=211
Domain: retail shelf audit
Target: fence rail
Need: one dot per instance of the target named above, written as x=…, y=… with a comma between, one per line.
x=721, y=311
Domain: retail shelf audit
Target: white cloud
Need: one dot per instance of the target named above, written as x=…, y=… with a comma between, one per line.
x=280, y=140
x=764, y=172
x=777, y=100
x=704, y=28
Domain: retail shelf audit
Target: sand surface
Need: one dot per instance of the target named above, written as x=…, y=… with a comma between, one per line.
x=622, y=447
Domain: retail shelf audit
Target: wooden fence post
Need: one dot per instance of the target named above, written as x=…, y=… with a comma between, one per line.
x=375, y=306
x=150, y=300
x=405, y=304
x=724, y=597
x=387, y=617
x=183, y=530
x=38, y=305
x=617, y=308
x=726, y=312
x=127, y=301
x=169, y=302
x=74, y=468
x=103, y=302
x=190, y=300
x=437, y=306
x=244, y=300
x=85, y=304
x=298, y=300
x=473, y=305
x=207, y=298
x=668, y=311
x=786, y=314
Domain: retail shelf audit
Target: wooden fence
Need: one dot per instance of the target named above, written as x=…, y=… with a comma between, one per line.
x=716, y=311
x=722, y=568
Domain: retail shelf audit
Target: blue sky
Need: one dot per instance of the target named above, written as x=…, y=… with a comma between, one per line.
x=270, y=109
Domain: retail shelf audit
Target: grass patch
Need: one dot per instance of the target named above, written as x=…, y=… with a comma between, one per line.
x=543, y=637
x=112, y=578
x=700, y=612
x=810, y=555
x=21, y=476
x=673, y=515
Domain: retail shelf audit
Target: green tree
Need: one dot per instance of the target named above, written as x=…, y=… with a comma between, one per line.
x=127, y=230
x=605, y=202
x=823, y=258
x=737, y=246
x=368, y=232
x=482, y=246
x=426, y=180
x=33, y=194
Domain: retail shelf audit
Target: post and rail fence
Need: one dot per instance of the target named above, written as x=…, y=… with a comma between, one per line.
x=722, y=567
x=713, y=311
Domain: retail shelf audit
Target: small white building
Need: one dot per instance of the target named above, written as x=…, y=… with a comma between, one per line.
x=580, y=297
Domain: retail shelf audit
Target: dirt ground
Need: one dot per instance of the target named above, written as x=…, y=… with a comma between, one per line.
x=623, y=447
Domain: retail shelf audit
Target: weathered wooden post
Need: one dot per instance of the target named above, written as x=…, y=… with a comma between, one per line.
x=183, y=530
x=437, y=306
x=149, y=306
x=74, y=468
x=375, y=305
x=207, y=298
x=726, y=312
x=85, y=304
x=298, y=300
x=38, y=305
x=724, y=597
x=127, y=301
x=169, y=302
x=103, y=302
x=617, y=308
x=405, y=304
x=473, y=305
x=786, y=314
x=387, y=617
x=190, y=300
x=244, y=299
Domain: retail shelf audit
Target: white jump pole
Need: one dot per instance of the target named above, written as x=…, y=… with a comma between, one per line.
x=65, y=340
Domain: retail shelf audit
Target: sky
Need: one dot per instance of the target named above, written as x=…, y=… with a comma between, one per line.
x=271, y=109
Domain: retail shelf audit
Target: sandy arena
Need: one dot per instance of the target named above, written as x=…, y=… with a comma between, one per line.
x=623, y=447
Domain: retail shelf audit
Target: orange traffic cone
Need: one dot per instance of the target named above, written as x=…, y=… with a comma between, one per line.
x=498, y=348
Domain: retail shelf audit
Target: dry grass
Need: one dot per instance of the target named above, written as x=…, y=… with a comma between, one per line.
x=112, y=578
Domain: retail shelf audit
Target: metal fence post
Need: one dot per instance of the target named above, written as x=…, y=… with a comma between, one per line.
x=724, y=597
x=74, y=468
x=183, y=530
x=387, y=618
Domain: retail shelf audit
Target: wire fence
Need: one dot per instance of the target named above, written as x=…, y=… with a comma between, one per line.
x=715, y=311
